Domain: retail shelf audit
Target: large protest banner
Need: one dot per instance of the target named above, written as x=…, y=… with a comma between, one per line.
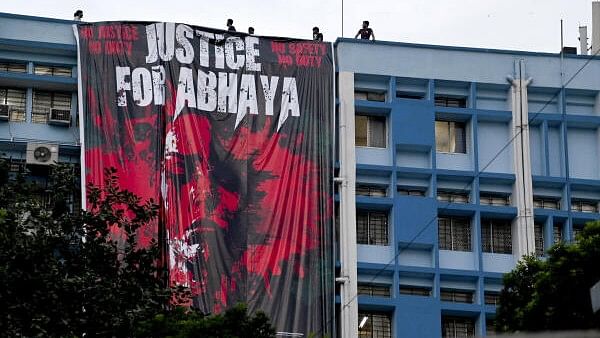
x=232, y=134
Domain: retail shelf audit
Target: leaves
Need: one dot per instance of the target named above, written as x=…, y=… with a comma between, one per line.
x=64, y=273
x=553, y=294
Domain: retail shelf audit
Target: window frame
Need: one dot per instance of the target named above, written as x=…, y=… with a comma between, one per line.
x=491, y=224
x=368, y=232
x=451, y=135
x=453, y=238
x=368, y=128
x=469, y=326
x=384, y=320
x=21, y=110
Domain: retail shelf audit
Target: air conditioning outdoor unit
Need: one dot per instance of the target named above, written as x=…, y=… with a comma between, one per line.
x=42, y=153
x=61, y=117
x=4, y=112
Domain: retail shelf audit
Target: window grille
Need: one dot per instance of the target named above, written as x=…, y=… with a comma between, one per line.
x=371, y=190
x=374, y=290
x=546, y=203
x=457, y=327
x=374, y=325
x=15, y=99
x=372, y=227
x=491, y=298
x=453, y=196
x=53, y=70
x=454, y=233
x=496, y=236
x=457, y=296
x=539, y=239
x=415, y=290
x=557, y=231
x=43, y=102
x=494, y=199
x=454, y=102
x=13, y=67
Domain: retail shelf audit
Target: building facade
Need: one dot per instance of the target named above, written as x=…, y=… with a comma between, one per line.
x=465, y=159
x=459, y=162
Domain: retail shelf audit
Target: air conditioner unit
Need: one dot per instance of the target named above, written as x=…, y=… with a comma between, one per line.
x=4, y=112
x=42, y=153
x=61, y=117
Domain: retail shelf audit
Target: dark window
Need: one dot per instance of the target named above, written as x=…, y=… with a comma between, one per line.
x=496, y=199
x=372, y=227
x=576, y=231
x=371, y=190
x=490, y=327
x=557, y=231
x=457, y=296
x=455, y=102
x=454, y=233
x=450, y=137
x=415, y=290
x=539, y=239
x=496, y=236
x=370, y=131
x=369, y=96
x=13, y=67
x=410, y=95
x=15, y=99
x=582, y=205
x=374, y=290
x=374, y=325
x=457, y=327
x=492, y=298
x=453, y=196
x=43, y=102
x=411, y=191
x=546, y=202
x=53, y=70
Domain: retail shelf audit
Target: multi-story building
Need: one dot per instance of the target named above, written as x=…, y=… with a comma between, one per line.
x=466, y=159
x=462, y=160
x=38, y=92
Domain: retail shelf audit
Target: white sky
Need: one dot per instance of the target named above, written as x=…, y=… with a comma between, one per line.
x=505, y=24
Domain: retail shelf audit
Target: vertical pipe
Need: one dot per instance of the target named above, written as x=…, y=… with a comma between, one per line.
x=348, y=247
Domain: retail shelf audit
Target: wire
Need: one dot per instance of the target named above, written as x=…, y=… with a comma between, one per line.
x=446, y=206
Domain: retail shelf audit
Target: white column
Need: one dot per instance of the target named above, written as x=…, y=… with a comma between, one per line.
x=347, y=181
x=522, y=227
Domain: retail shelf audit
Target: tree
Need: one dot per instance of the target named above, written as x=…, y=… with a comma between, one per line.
x=64, y=274
x=553, y=294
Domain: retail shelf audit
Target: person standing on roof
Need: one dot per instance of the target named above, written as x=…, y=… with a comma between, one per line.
x=230, y=26
x=251, y=30
x=365, y=32
x=316, y=35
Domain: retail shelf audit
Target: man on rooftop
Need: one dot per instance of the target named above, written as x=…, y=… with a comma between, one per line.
x=365, y=32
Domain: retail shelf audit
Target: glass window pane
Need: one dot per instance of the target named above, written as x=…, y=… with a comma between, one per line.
x=377, y=135
x=361, y=130
x=442, y=136
x=460, y=145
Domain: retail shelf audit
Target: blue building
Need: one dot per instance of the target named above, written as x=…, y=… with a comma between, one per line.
x=465, y=160
x=454, y=161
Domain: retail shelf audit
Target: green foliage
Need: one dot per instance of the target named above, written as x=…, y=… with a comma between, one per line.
x=553, y=294
x=65, y=274
x=184, y=323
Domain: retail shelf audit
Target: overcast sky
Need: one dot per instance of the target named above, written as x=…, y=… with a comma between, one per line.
x=506, y=24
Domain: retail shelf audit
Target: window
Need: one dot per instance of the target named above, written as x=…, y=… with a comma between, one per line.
x=539, y=239
x=584, y=205
x=557, y=231
x=450, y=137
x=44, y=101
x=410, y=95
x=374, y=325
x=372, y=227
x=495, y=199
x=453, y=196
x=371, y=190
x=576, y=231
x=15, y=99
x=454, y=102
x=546, y=202
x=496, y=236
x=491, y=298
x=13, y=67
x=457, y=327
x=411, y=191
x=370, y=131
x=374, y=290
x=456, y=296
x=52, y=70
x=490, y=327
x=369, y=96
x=415, y=290
x=454, y=233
